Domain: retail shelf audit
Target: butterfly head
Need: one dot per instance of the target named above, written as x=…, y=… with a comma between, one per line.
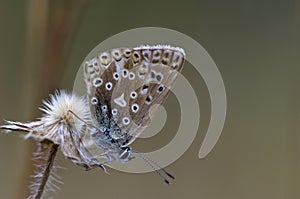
x=125, y=154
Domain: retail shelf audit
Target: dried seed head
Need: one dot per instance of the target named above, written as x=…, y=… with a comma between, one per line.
x=62, y=107
x=64, y=123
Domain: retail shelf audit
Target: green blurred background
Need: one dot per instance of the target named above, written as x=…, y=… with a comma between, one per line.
x=254, y=43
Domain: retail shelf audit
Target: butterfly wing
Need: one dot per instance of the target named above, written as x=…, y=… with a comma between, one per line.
x=129, y=84
x=155, y=69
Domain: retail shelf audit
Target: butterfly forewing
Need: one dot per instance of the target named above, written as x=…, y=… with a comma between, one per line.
x=125, y=85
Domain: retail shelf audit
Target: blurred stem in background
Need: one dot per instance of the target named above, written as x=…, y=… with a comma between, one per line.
x=51, y=27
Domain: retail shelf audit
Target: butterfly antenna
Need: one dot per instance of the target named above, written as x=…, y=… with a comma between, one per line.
x=155, y=165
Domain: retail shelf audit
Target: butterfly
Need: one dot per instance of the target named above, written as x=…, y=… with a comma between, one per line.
x=125, y=86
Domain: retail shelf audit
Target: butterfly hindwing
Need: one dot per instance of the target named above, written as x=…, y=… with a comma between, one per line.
x=129, y=84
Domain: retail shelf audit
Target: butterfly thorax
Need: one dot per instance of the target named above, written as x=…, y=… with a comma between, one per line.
x=112, y=146
x=110, y=137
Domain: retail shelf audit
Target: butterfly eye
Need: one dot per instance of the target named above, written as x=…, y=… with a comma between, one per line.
x=125, y=154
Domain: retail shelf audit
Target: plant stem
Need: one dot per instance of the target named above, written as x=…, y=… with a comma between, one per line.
x=47, y=168
x=51, y=27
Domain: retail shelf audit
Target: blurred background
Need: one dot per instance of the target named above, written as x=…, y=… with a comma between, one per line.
x=255, y=45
